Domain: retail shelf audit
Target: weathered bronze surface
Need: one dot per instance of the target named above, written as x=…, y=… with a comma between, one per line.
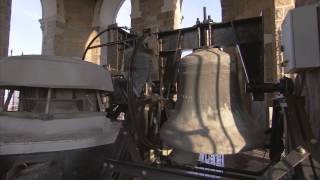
x=208, y=117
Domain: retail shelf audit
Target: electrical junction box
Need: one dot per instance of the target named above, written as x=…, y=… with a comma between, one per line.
x=300, y=39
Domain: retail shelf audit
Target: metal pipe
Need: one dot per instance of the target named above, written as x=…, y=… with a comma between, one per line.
x=199, y=37
x=210, y=36
x=112, y=43
x=239, y=52
x=98, y=35
x=6, y=104
x=102, y=108
x=48, y=101
x=204, y=14
x=161, y=67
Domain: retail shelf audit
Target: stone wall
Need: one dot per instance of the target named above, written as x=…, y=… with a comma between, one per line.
x=305, y=2
x=93, y=55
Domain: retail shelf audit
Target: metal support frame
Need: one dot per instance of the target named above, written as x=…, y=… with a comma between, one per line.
x=302, y=146
x=171, y=173
x=246, y=34
x=128, y=41
x=299, y=143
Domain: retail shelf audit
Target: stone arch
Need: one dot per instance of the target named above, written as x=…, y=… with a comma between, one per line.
x=53, y=9
x=52, y=14
x=93, y=55
x=109, y=11
x=105, y=14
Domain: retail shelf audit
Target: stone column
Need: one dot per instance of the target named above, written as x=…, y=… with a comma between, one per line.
x=66, y=25
x=5, y=16
x=156, y=15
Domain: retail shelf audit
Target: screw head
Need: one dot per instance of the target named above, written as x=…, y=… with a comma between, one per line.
x=144, y=173
x=111, y=166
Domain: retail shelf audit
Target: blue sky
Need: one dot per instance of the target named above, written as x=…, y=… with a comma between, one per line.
x=25, y=32
x=26, y=35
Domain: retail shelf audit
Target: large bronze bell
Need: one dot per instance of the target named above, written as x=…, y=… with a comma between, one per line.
x=208, y=116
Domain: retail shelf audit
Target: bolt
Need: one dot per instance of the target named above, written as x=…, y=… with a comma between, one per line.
x=105, y=164
x=144, y=173
x=313, y=141
x=111, y=166
x=301, y=150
